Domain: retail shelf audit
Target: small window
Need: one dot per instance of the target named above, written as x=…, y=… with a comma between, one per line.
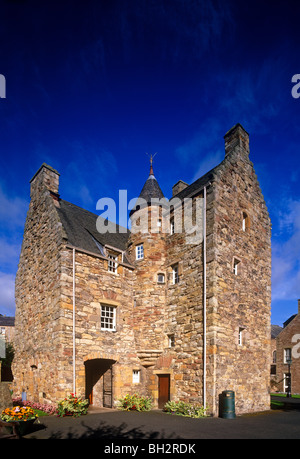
x=287, y=355
x=108, y=318
x=159, y=223
x=160, y=278
x=139, y=252
x=171, y=340
x=175, y=275
x=136, y=376
x=112, y=263
x=241, y=336
x=236, y=263
x=274, y=356
x=172, y=226
x=245, y=222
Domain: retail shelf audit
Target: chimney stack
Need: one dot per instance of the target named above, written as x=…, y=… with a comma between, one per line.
x=236, y=139
x=46, y=177
x=179, y=186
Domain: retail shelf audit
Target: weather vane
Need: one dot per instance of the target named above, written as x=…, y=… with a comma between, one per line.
x=151, y=157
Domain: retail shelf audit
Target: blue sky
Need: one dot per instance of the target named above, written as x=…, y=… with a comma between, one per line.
x=92, y=86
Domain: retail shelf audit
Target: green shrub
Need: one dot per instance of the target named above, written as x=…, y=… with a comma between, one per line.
x=135, y=403
x=185, y=409
x=72, y=406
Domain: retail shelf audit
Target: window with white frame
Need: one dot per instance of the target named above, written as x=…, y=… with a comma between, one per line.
x=171, y=340
x=175, y=274
x=236, y=263
x=139, y=252
x=136, y=376
x=160, y=278
x=245, y=222
x=287, y=357
x=112, y=263
x=286, y=382
x=172, y=226
x=241, y=336
x=108, y=317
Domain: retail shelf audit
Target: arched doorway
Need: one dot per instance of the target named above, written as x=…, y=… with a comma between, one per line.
x=99, y=382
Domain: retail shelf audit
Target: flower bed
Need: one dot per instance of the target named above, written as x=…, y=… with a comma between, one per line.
x=45, y=407
x=135, y=403
x=185, y=409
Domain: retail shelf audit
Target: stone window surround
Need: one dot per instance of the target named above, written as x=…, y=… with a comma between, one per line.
x=175, y=274
x=139, y=251
x=245, y=221
x=236, y=265
x=163, y=281
x=114, y=305
x=136, y=376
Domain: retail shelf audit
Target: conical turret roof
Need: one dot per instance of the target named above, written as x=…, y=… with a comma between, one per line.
x=151, y=190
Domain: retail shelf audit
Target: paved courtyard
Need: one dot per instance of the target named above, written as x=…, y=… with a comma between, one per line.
x=110, y=425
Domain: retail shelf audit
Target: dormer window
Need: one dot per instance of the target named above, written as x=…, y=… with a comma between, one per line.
x=112, y=263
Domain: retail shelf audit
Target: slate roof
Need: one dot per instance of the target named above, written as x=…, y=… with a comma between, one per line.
x=151, y=189
x=275, y=330
x=80, y=227
x=198, y=184
x=289, y=320
x=7, y=321
x=80, y=224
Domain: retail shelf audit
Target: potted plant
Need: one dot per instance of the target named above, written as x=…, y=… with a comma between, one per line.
x=72, y=406
x=23, y=416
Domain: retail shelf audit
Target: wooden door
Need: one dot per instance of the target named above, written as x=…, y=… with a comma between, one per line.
x=163, y=390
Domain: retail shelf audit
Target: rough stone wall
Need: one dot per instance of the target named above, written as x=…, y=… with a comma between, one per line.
x=240, y=302
x=184, y=318
x=5, y=396
x=37, y=328
x=149, y=294
x=289, y=338
x=96, y=286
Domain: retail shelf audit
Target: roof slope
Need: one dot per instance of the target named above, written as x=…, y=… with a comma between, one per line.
x=151, y=190
x=80, y=227
x=7, y=321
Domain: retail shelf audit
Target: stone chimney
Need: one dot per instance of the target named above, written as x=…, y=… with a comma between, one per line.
x=179, y=186
x=236, y=139
x=45, y=177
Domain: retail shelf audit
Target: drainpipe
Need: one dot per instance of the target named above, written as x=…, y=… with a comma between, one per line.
x=74, y=386
x=204, y=297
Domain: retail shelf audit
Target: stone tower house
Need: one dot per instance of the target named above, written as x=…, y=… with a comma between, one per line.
x=177, y=308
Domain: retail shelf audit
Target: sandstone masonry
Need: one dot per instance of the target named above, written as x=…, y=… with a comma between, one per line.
x=151, y=311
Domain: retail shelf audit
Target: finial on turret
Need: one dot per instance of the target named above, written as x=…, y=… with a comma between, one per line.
x=151, y=162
